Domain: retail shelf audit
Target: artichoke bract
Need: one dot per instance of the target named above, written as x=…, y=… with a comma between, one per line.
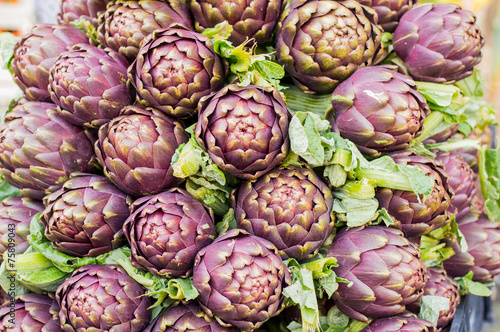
x=240, y=278
x=90, y=85
x=174, y=69
x=438, y=43
x=462, y=180
x=244, y=130
x=483, y=254
x=166, y=231
x=39, y=149
x=35, y=54
x=413, y=216
x=385, y=270
x=33, y=312
x=321, y=43
x=85, y=217
x=136, y=149
x=102, y=298
x=250, y=19
x=15, y=217
x=184, y=318
x=389, y=12
x=379, y=110
x=291, y=207
x=74, y=10
x=400, y=324
x=125, y=24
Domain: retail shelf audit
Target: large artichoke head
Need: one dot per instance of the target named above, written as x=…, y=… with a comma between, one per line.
x=35, y=54
x=244, y=129
x=136, y=149
x=404, y=323
x=85, y=217
x=174, y=69
x=186, y=318
x=15, y=217
x=32, y=312
x=103, y=298
x=166, y=231
x=74, y=10
x=90, y=85
x=385, y=270
x=379, y=110
x=291, y=207
x=39, y=149
x=389, y=12
x=413, y=215
x=321, y=43
x=125, y=23
x=250, y=19
x=438, y=43
x=240, y=278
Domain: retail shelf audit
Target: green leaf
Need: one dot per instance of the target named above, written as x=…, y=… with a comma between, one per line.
x=7, y=45
x=228, y=222
x=9, y=283
x=489, y=177
x=431, y=306
x=221, y=31
x=6, y=190
x=384, y=217
x=299, y=101
x=360, y=211
x=467, y=286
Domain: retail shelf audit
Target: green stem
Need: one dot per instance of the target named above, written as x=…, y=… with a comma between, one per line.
x=455, y=144
x=358, y=189
x=32, y=262
x=385, y=179
x=430, y=123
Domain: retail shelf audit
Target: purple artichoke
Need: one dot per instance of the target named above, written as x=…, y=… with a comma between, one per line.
x=74, y=10
x=250, y=19
x=292, y=208
x=244, y=129
x=15, y=217
x=185, y=318
x=240, y=278
x=405, y=323
x=35, y=54
x=39, y=149
x=125, y=23
x=136, y=149
x=321, y=43
x=379, y=110
x=389, y=12
x=174, y=69
x=33, y=313
x=166, y=231
x=89, y=84
x=103, y=298
x=385, y=270
x=413, y=216
x=438, y=43
x=85, y=217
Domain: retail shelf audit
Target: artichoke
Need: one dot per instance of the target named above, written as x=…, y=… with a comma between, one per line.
x=379, y=110
x=384, y=268
x=125, y=24
x=136, y=148
x=35, y=54
x=439, y=284
x=39, y=149
x=33, y=313
x=15, y=217
x=240, y=278
x=174, y=69
x=244, y=129
x=292, y=208
x=74, y=10
x=250, y=19
x=404, y=323
x=483, y=254
x=389, y=12
x=85, y=217
x=166, y=231
x=102, y=298
x=462, y=180
x=321, y=43
x=414, y=216
x=90, y=85
x=438, y=43
x=184, y=318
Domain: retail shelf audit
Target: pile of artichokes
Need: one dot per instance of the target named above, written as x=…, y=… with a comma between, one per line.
x=270, y=165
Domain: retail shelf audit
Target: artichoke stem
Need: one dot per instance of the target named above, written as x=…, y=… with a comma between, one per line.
x=385, y=179
x=456, y=144
x=430, y=123
x=30, y=262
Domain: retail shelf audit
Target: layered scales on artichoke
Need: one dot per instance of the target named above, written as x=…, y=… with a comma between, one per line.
x=247, y=165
